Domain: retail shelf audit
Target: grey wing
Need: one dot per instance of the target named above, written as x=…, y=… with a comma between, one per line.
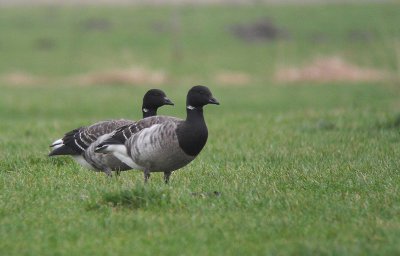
x=128, y=131
x=101, y=128
x=80, y=139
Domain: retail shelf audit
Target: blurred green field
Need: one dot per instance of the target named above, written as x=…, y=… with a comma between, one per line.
x=58, y=41
x=305, y=168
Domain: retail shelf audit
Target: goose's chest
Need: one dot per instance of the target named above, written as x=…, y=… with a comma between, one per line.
x=192, y=138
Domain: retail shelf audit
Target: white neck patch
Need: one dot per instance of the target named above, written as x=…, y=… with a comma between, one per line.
x=190, y=107
x=145, y=110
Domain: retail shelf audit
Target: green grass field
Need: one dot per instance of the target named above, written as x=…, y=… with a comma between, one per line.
x=302, y=169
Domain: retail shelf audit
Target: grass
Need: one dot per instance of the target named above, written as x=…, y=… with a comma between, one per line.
x=300, y=169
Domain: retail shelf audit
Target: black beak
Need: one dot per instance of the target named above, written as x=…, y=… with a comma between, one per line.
x=168, y=101
x=213, y=100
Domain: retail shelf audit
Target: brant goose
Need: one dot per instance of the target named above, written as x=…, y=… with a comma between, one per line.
x=162, y=143
x=80, y=143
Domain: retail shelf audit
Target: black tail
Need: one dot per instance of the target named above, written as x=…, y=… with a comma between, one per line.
x=63, y=150
x=118, y=137
x=104, y=144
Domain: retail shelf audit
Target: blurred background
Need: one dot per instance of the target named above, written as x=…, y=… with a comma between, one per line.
x=85, y=53
x=221, y=42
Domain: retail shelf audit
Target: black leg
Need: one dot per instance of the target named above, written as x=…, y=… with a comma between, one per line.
x=108, y=172
x=166, y=177
x=146, y=175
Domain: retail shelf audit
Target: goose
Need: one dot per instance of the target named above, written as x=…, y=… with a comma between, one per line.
x=163, y=143
x=80, y=143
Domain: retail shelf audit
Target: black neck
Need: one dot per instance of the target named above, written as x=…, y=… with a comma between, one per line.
x=193, y=133
x=147, y=112
x=195, y=115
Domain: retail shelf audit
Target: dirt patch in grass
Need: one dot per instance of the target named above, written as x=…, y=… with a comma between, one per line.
x=20, y=78
x=329, y=69
x=133, y=75
x=232, y=78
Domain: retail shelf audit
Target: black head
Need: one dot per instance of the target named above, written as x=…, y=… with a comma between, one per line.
x=199, y=96
x=154, y=99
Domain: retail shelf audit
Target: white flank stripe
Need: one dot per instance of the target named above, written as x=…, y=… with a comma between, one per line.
x=91, y=136
x=79, y=146
x=87, y=137
x=80, y=136
x=123, y=133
